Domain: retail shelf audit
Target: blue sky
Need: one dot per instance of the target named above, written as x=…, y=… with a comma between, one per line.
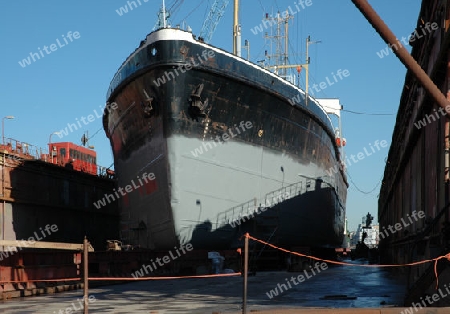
x=71, y=81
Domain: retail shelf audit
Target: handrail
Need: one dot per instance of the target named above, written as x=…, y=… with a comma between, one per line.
x=24, y=151
x=290, y=190
x=236, y=212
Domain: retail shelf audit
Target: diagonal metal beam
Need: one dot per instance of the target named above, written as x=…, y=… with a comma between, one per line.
x=401, y=52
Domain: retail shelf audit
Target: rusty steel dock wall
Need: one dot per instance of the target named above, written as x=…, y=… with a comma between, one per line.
x=416, y=176
x=35, y=193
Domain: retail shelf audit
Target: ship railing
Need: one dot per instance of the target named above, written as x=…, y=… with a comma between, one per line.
x=236, y=213
x=284, y=193
x=105, y=172
x=21, y=150
x=251, y=208
x=25, y=150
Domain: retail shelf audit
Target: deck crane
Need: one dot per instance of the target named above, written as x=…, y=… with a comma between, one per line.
x=213, y=19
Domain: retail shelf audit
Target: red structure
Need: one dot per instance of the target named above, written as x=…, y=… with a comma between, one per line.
x=71, y=155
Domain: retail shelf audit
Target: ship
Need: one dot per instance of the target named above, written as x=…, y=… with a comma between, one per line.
x=233, y=147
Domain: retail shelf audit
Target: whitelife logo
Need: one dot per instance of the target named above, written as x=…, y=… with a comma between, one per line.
x=73, y=307
x=361, y=155
x=260, y=209
x=161, y=261
x=37, y=56
x=318, y=267
x=267, y=23
x=436, y=297
x=124, y=10
x=31, y=240
x=398, y=226
x=425, y=30
x=206, y=54
x=128, y=189
x=71, y=127
x=222, y=138
x=434, y=116
x=323, y=85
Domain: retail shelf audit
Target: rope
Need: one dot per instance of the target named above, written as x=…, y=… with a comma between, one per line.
x=163, y=278
x=121, y=278
x=435, y=260
x=41, y=280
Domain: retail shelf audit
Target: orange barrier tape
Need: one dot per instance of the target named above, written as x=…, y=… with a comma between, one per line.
x=122, y=278
x=42, y=280
x=162, y=278
x=435, y=260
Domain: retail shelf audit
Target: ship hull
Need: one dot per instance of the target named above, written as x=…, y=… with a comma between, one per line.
x=224, y=142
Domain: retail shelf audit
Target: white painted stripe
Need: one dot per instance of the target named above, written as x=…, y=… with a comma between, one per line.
x=178, y=34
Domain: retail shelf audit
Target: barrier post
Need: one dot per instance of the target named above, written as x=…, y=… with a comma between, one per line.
x=85, y=275
x=244, y=297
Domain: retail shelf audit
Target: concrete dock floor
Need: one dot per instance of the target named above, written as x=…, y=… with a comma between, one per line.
x=335, y=290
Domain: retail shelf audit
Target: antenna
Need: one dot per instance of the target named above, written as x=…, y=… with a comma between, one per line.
x=236, y=30
x=163, y=18
x=164, y=13
x=85, y=139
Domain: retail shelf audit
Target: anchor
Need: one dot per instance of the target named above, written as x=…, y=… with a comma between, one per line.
x=197, y=108
x=147, y=105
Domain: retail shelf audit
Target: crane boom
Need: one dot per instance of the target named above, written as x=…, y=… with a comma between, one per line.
x=213, y=19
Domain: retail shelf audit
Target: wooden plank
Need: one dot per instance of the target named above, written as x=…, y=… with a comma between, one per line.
x=44, y=245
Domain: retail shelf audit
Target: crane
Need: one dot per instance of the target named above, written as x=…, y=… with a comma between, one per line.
x=213, y=19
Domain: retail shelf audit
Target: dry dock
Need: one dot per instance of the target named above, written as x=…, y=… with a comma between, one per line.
x=414, y=195
x=352, y=311
x=370, y=288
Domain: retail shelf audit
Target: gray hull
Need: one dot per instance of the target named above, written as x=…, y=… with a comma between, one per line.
x=212, y=169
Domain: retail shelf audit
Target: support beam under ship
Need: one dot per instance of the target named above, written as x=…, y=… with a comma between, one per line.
x=225, y=139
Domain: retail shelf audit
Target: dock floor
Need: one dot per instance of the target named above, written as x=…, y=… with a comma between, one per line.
x=335, y=290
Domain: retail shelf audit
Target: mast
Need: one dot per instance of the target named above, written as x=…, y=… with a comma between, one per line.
x=286, y=43
x=281, y=56
x=308, y=40
x=236, y=30
x=164, y=13
x=280, y=39
x=163, y=17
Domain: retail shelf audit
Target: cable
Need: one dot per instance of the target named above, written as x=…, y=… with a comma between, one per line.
x=262, y=7
x=174, y=8
x=95, y=133
x=185, y=18
x=369, y=114
x=359, y=190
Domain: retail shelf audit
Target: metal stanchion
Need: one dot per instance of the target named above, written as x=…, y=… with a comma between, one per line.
x=85, y=275
x=244, y=297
